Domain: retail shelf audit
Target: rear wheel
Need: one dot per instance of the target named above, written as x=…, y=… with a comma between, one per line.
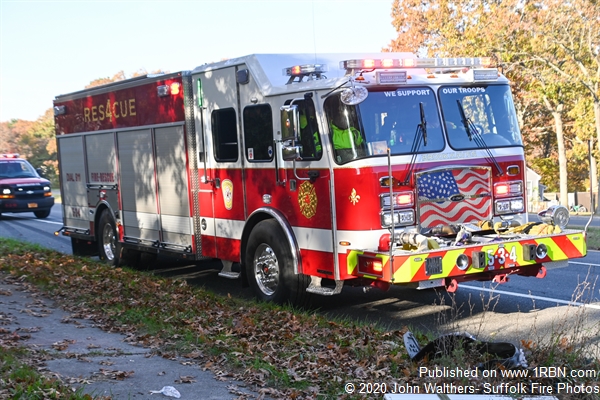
x=108, y=244
x=270, y=267
x=42, y=214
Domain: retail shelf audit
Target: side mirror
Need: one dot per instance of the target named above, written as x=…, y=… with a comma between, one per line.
x=40, y=172
x=290, y=127
x=290, y=151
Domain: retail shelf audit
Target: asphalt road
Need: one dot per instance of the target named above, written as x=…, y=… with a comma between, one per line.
x=522, y=308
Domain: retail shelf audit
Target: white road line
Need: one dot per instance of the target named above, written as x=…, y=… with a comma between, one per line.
x=588, y=264
x=36, y=220
x=530, y=296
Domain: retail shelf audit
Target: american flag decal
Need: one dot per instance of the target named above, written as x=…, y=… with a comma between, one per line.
x=454, y=196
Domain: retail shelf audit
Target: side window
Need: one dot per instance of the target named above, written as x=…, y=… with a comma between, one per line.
x=258, y=132
x=312, y=149
x=224, y=132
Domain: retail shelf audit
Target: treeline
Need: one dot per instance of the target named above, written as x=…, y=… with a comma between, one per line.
x=33, y=140
x=550, y=49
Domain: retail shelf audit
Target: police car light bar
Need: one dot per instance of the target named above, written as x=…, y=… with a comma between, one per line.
x=453, y=62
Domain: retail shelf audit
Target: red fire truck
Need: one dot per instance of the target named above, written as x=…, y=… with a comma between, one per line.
x=310, y=172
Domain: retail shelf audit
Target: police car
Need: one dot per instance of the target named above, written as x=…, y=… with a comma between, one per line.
x=22, y=189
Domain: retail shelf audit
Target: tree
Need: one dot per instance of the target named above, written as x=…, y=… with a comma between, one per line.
x=531, y=39
x=119, y=76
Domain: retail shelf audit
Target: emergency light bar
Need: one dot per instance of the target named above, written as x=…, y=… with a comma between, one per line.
x=458, y=62
x=300, y=71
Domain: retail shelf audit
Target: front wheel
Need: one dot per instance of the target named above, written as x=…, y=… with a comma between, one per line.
x=108, y=243
x=41, y=214
x=270, y=267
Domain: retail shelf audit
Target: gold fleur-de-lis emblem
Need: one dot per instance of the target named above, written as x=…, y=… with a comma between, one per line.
x=354, y=198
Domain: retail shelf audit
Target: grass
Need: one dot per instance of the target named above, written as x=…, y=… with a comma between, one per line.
x=288, y=353
x=19, y=378
x=593, y=238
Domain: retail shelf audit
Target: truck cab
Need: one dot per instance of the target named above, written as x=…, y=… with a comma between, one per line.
x=22, y=188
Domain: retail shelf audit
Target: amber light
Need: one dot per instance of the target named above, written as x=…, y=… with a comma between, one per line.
x=370, y=265
x=175, y=88
x=369, y=63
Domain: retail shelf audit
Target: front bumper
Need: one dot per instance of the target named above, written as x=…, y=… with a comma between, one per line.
x=26, y=205
x=522, y=255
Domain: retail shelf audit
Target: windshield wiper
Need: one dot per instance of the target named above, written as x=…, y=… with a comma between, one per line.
x=475, y=136
x=423, y=123
x=422, y=129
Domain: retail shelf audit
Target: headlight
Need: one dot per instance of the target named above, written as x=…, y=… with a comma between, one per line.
x=509, y=206
x=6, y=191
x=46, y=188
x=401, y=218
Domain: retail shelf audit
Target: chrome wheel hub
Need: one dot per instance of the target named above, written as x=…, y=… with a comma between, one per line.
x=266, y=269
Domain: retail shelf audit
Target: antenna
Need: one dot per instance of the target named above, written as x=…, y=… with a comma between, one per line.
x=314, y=30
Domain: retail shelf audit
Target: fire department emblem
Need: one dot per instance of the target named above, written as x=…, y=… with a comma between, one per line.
x=307, y=199
x=354, y=198
x=227, y=186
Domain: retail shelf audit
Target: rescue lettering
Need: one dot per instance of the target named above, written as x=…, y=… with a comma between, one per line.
x=110, y=110
x=103, y=176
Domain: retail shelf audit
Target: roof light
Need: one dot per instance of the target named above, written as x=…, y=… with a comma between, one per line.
x=175, y=86
x=10, y=155
x=59, y=110
x=165, y=90
x=449, y=62
x=487, y=74
x=369, y=63
x=304, y=70
x=387, y=63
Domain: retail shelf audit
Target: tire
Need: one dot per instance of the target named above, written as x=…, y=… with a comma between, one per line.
x=108, y=243
x=42, y=214
x=270, y=267
x=582, y=209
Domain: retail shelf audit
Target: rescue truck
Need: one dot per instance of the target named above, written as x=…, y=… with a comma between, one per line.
x=303, y=173
x=23, y=188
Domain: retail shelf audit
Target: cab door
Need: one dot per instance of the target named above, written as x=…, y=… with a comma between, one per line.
x=309, y=187
x=221, y=191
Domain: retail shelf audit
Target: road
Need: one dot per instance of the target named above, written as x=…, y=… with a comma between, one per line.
x=522, y=308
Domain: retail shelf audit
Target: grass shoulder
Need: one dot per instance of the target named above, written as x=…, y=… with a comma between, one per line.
x=295, y=353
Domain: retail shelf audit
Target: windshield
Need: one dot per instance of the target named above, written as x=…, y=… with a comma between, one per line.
x=386, y=119
x=16, y=169
x=488, y=109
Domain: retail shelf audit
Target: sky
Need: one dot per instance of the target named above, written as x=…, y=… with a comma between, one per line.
x=51, y=47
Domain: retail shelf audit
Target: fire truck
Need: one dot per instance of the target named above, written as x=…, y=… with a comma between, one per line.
x=303, y=173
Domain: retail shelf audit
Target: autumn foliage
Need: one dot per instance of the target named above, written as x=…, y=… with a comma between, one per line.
x=550, y=49
x=285, y=353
